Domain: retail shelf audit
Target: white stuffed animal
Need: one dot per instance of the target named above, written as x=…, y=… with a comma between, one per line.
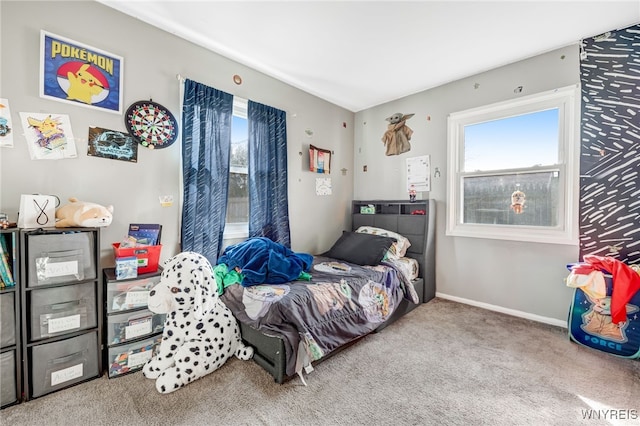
x=200, y=332
x=83, y=214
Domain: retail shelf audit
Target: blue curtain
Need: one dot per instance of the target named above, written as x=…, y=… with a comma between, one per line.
x=206, y=143
x=268, y=199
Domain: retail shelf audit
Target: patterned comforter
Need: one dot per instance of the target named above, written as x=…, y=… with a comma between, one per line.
x=342, y=302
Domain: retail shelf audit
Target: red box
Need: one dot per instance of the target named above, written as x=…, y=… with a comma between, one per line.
x=148, y=256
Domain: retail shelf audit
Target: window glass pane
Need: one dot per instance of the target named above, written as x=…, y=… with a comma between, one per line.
x=238, y=203
x=239, y=142
x=514, y=142
x=487, y=199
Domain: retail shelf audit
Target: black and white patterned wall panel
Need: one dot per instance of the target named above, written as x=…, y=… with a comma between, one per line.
x=610, y=145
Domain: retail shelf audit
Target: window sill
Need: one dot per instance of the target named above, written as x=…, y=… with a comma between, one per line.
x=511, y=233
x=235, y=231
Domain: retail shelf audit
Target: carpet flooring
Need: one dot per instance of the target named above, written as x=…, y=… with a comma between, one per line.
x=445, y=363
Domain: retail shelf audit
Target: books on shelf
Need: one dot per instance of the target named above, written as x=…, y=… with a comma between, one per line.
x=6, y=272
x=146, y=233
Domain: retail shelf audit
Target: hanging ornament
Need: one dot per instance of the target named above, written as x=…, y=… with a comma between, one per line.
x=517, y=201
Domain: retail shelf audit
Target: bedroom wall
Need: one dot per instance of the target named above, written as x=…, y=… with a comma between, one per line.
x=152, y=59
x=521, y=278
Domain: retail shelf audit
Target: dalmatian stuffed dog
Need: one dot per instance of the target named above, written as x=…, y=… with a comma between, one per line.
x=200, y=333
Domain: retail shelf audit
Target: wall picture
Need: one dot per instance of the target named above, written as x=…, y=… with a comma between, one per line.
x=49, y=136
x=112, y=144
x=82, y=75
x=319, y=160
x=6, y=127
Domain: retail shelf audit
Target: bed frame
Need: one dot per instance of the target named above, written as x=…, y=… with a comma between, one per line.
x=398, y=216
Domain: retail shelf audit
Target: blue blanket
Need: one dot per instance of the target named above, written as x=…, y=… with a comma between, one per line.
x=263, y=261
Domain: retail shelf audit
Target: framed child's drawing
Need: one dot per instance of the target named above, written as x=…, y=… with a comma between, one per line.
x=82, y=75
x=319, y=160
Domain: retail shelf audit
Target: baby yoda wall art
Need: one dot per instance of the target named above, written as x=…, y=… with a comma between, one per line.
x=396, y=138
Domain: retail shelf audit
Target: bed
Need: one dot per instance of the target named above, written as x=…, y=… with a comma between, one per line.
x=298, y=323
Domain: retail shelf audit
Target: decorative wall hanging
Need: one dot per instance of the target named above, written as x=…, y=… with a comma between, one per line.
x=6, y=127
x=398, y=134
x=319, y=160
x=323, y=186
x=517, y=201
x=79, y=74
x=151, y=124
x=49, y=136
x=609, y=160
x=112, y=144
x=419, y=173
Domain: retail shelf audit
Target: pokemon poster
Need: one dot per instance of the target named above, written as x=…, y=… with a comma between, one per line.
x=49, y=136
x=78, y=74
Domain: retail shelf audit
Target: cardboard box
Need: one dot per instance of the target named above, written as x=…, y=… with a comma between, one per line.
x=148, y=256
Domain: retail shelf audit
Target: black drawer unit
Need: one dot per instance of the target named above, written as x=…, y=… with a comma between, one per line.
x=10, y=344
x=61, y=298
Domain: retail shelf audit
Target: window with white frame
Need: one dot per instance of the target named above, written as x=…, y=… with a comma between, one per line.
x=513, y=169
x=237, y=221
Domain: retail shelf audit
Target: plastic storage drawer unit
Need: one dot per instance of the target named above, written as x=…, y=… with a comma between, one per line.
x=60, y=258
x=62, y=363
x=131, y=357
x=58, y=310
x=127, y=326
x=129, y=294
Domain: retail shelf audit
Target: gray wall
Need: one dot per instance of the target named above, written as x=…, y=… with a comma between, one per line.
x=152, y=59
x=503, y=275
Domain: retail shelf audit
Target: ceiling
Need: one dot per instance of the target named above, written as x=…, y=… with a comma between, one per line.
x=359, y=54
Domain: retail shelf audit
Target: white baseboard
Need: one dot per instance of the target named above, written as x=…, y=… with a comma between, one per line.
x=513, y=312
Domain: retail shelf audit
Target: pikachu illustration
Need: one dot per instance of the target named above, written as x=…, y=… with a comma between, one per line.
x=83, y=85
x=50, y=135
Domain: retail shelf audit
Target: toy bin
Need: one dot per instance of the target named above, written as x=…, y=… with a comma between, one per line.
x=148, y=256
x=590, y=323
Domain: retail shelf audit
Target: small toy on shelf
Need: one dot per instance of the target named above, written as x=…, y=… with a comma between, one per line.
x=412, y=194
x=83, y=214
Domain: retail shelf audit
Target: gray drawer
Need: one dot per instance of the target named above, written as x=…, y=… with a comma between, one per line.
x=129, y=294
x=8, y=391
x=133, y=356
x=7, y=320
x=129, y=326
x=59, y=310
x=60, y=364
x=60, y=258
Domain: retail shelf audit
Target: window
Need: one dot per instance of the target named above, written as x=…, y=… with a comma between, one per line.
x=499, y=153
x=237, y=220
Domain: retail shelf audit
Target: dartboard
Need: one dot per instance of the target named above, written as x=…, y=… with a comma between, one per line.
x=151, y=124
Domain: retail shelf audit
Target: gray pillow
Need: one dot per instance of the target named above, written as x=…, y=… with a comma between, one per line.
x=361, y=249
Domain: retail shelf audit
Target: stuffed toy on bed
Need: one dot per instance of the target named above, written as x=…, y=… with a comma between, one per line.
x=200, y=332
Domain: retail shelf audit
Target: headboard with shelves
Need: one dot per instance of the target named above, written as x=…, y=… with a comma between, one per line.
x=413, y=220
